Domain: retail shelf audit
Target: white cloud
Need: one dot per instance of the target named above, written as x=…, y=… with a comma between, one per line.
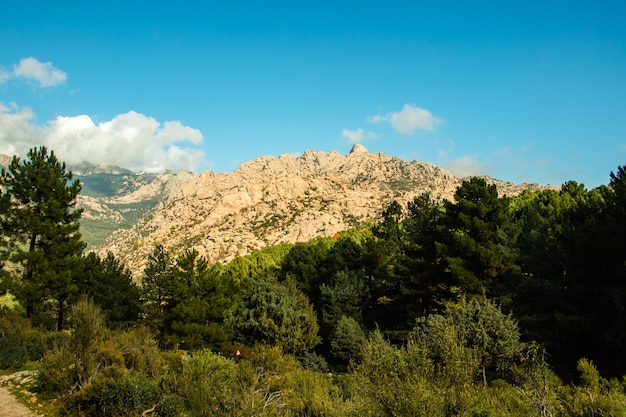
x=409, y=119
x=17, y=131
x=4, y=75
x=466, y=166
x=46, y=74
x=358, y=135
x=353, y=136
x=130, y=140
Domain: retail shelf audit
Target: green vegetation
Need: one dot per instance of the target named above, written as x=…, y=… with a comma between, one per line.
x=100, y=184
x=40, y=222
x=95, y=231
x=483, y=306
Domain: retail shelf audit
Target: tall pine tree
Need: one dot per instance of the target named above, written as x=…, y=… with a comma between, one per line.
x=477, y=237
x=41, y=218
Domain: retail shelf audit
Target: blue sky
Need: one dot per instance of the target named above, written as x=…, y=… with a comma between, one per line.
x=524, y=92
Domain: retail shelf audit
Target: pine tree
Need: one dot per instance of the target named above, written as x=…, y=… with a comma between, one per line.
x=195, y=315
x=156, y=292
x=109, y=284
x=41, y=220
x=477, y=237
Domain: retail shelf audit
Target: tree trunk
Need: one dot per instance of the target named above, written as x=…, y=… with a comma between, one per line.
x=28, y=277
x=484, y=377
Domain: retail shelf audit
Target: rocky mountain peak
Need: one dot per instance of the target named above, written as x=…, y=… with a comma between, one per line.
x=273, y=200
x=358, y=149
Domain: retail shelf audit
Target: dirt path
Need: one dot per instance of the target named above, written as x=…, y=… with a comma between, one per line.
x=9, y=407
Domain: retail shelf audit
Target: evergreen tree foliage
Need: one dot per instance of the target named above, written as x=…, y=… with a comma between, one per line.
x=477, y=324
x=5, y=242
x=41, y=219
x=242, y=270
x=304, y=264
x=347, y=341
x=477, y=237
x=571, y=291
x=422, y=285
x=198, y=305
x=379, y=259
x=109, y=284
x=276, y=314
x=185, y=302
x=345, y=255
x=155, y=287
x=344, y=296
x=390, y=227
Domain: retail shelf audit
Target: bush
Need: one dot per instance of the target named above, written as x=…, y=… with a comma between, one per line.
x=399, y=381
x=58, y=375
x=140, y=351
x=313, y=362
x=18, y=345
x=276, y=314
x=207, y=385
x=347, y=341
x=170, y=406
x=595, y=396
x=13, y=353
x=116, y=392
x=309, y=393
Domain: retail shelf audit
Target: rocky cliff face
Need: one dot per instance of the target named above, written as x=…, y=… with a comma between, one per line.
x=273, y=200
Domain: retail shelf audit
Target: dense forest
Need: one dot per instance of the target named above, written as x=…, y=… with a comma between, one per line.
x=486, y=305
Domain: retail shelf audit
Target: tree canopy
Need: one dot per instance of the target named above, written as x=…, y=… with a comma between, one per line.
x=41, y=218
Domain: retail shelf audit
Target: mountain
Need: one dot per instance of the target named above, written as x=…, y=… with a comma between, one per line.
x=271, y=200
x=267, y=201
x=116, y=199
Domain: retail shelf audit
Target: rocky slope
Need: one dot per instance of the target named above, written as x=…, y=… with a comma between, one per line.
x=267, y=201
x=272, y=200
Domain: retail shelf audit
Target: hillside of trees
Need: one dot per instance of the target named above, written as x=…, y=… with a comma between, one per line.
x=481, y=306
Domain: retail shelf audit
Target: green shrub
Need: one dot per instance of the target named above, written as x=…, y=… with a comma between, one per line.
x=207, y=385
x=313, y=362
x=115, y=392
x=139, y=350
x=347, y=341
x=20, y=346
x=13, y=353
x=58, y=374
x=309, y=393
x=170, y=406
x=500, y=399
x=595, y=396
x=397, y=381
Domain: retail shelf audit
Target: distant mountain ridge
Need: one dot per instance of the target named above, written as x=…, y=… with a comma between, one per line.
x=284, y=199
x=267, y=201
